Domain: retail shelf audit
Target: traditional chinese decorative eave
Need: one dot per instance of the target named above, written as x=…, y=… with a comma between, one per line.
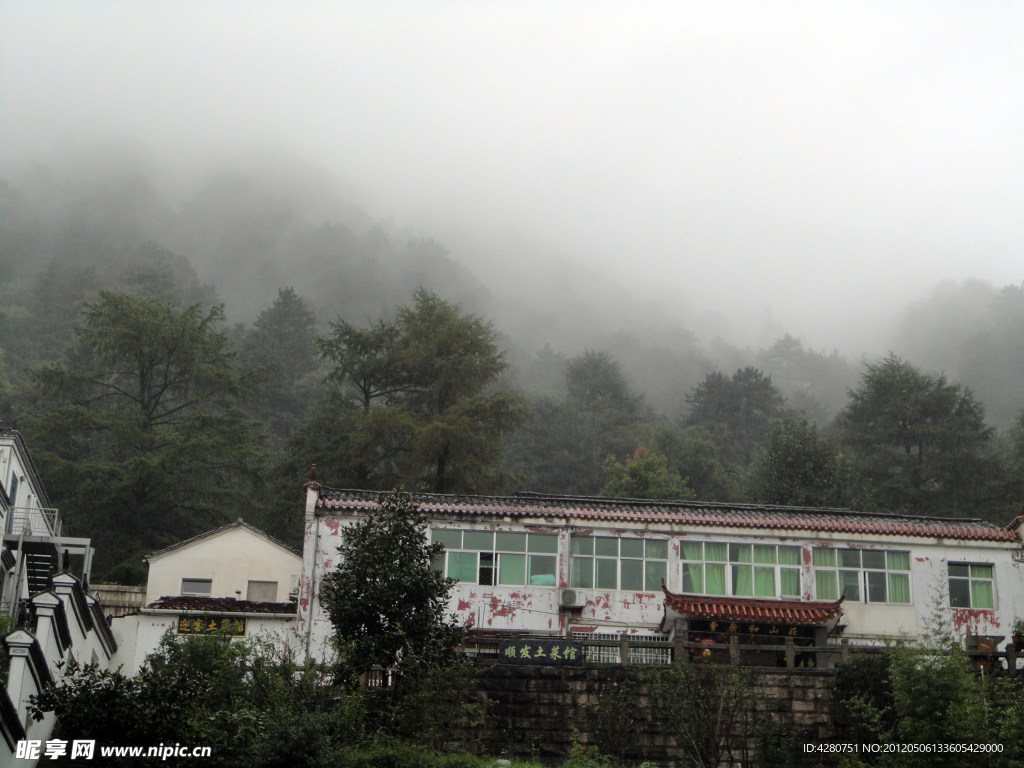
x=816, y=614
x=679, y=513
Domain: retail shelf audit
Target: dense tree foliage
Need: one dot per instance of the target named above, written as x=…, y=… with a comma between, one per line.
x=139, y=432
x=280, y=351
x=386, y=601
x=920, y=442
x=798, y=467
x=644, y=475
x=737, y=412
x=414, y=402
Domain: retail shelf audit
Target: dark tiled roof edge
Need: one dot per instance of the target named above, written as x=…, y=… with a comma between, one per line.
x=219, y=605
x=715, y=514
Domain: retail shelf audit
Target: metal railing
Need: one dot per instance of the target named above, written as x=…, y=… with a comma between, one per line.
x=33, y=521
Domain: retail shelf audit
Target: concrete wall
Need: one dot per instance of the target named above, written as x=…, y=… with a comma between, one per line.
x=139, y=635
x=231, y=559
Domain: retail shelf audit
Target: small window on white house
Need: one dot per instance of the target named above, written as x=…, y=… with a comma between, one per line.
x=262, y=591
x=196, y=587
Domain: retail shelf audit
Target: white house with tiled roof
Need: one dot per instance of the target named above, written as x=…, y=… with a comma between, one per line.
x=579, y=566
x=235, y=577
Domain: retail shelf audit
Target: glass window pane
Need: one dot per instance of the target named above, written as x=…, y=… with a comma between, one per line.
x=655, y=571
x=874, y=558
x=789, y=582
x=632, y=574
x=543, y=542
x=825, y=558
x=714, y=579
x=656, y=550
x=462, y=566
x=959, y=593
x=631, y=547
x=876, y=587
x=981, y=595
x=450, y=539
x=826, y=586
x=512, y=569
x=959, y=570
x=849, y=558
x=437, y=563
x=764, y=582
x=739, y=553
x=764, y=554
x=692, y=550
x=481, y=541
x=693, y=578
x=981, y=571
x=849, y=583
x=582, y=572
x=743, y=580
x=510, y=542
x=582, y=546
x=898, y=561
x=899, y=588
x=542, y=570
x=789, y=555
x=715, y=552
x=486, y=569
x=607, y=574
x=607, y=547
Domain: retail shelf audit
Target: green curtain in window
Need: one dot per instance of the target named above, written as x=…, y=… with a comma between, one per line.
x=714, y=575
x=512, y=569
x=899, y=588
x=824, y=557
x=693, y=550
x=789, y=555
x=693, y=578
x=790, y=582
x=898, y=561
x=715, y=552
x=764, y=582
x=743, y=580
x=981, y=595
x=826, y=585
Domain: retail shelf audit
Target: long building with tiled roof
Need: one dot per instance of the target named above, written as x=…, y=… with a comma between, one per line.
x=682, y=513
x=577, y=566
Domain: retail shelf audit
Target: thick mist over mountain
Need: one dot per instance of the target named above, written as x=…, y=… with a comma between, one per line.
x=254, y=225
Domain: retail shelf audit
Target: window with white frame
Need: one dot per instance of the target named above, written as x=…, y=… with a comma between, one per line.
x=497, y=557
x=740, y=570
x=608, y=562
x=970, y=585
x=863, y=575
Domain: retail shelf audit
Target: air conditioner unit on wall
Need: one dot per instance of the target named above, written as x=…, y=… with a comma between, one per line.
x=572, y=598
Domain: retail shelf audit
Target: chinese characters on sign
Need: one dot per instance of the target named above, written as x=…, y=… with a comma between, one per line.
x=558, y=651
x=205, y=625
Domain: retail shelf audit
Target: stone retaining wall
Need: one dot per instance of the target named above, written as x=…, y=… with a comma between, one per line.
x=533, y=710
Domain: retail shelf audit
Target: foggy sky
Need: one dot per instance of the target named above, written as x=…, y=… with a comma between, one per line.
x=800, y=167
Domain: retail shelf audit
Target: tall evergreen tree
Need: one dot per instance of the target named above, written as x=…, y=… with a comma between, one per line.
x=140, y=436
